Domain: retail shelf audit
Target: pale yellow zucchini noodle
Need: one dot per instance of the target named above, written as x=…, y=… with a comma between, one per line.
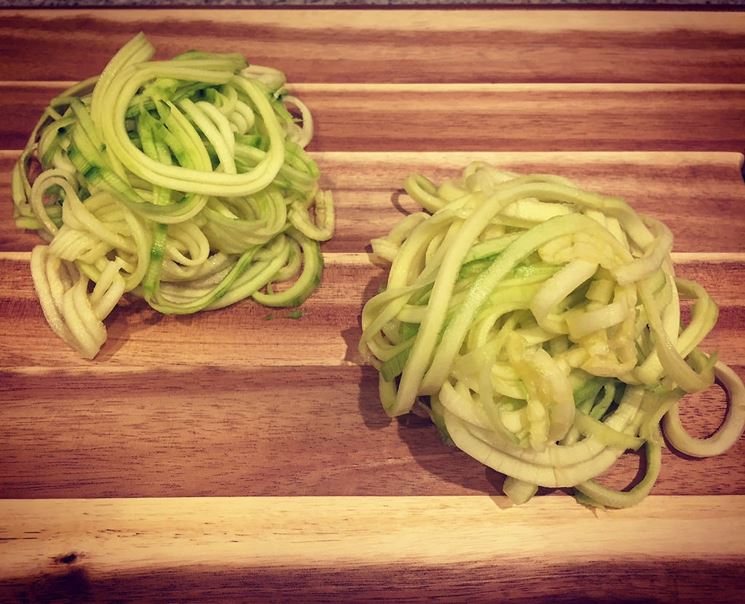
x=539, y=326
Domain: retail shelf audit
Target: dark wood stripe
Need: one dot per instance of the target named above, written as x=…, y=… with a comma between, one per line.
x=562, y=117
x=653, y=580
x=374, y=46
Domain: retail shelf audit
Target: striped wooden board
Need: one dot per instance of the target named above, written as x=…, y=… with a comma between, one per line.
x=226, y=456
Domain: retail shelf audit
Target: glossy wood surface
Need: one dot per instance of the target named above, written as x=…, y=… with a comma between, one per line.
x=244, y=453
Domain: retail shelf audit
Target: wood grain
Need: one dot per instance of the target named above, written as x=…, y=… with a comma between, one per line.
x=369, y=198
x=235, y=456
x=650, y=580
x=408, y=46
x=248, y=335
x=285, y=400
x=391, y=548
x=484, y=117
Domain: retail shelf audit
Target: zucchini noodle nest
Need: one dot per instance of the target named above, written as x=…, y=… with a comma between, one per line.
x=540, y=328
x=184, y=182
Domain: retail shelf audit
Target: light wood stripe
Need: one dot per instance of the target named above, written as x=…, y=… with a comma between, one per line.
x=301, y=88
x=368, y=259
x=545, y=21
x=454, y=159
x=120, y=535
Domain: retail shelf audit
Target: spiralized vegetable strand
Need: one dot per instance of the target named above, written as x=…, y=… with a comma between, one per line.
x=540, y=327
x=183, y=181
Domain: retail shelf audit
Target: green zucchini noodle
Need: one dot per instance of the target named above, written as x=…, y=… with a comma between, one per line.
x=539, y=326
x=184, y=182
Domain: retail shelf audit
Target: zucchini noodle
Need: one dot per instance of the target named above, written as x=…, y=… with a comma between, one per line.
x=184, y=182
x=539, y=326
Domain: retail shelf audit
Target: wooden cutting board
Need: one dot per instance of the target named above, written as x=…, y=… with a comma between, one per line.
x=226, y=456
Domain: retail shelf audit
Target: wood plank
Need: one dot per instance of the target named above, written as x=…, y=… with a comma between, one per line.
x=415, y=46
x=505, y=117
x=516, y=117
x=682, y=549
x=325, y=335
x=237, y=336
x=281, y=407
x=700, y=196
x=271, y=431
x=249, y=458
